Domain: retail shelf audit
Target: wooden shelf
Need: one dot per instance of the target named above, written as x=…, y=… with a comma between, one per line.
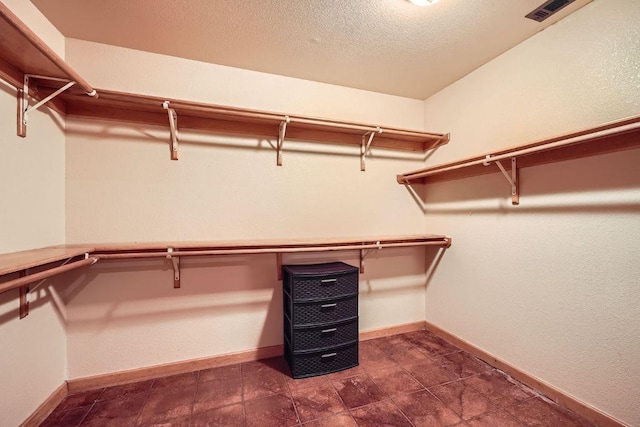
x=128, y=107
x=22, y=54
x=20, y=262
x=160, y=249
x=610, y=137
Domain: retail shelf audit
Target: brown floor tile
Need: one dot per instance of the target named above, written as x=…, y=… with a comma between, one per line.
x=372, y=357
x=273, y=364
x=220, y=372
x=430, y=373
x=175, y=422
x=351, y=372
x=216, y=393
x=115, y=412
x=424, y=410
x=408, y=355
x=262, y=382
x=67, y=417
x=179, y=380
x=429, y=343
x=538, y=413
x=167, y=403
x=358, y=391
x=493, y=419
x=394, y=380
x=462, y=399
x=318, y=402
x=126, y=390
x=302, y=383
x=380, y=414
x=500, y=391
x=78, y=400
x=228, y=416
x=270, y=411
x=340, y=420
x=462, y=364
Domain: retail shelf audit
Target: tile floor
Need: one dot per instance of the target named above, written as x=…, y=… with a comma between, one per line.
x=413, y=379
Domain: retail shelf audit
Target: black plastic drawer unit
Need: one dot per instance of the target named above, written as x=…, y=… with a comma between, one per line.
x=320, y=318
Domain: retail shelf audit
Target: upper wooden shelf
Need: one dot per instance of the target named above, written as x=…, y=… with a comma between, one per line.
x=130, y=107
x=24, y=54
x=606, y=138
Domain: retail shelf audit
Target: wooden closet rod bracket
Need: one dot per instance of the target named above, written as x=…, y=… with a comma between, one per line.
x=512, y=179
x=281, y=134
x=175, y=261
x=364, y=147
x=173, y=127
x=365, y=253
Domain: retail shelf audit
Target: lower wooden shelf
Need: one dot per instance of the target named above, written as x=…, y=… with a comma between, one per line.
x=47, y=260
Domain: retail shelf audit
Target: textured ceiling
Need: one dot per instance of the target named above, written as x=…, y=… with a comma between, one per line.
x=387, y=46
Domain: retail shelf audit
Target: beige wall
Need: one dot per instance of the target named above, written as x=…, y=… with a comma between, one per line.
x=550, y=286
x=121, y=186
x=32, y=215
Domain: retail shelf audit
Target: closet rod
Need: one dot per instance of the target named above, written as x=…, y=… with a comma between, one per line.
x=177, y=253
x=23, y=281
x=607, y=129
x=35, y=41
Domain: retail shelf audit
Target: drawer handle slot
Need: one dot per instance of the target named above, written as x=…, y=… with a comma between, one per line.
x=328, y=281
x=328, y=305
x=328, y=331
x=328, y=355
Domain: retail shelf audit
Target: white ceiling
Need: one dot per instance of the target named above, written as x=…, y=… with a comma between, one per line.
x=387, y=46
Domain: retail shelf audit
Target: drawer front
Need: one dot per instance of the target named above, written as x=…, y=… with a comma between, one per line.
x=326, y=287
x=315, y=313
x=322, y=362
x=316, y=338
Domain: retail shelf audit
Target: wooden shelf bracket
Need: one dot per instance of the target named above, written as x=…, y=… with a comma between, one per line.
x=281, y=134
x=512, y=179
x=175, y=261
x=365, y=146
x=23, y=101
x=173, y=127
x=364, y=253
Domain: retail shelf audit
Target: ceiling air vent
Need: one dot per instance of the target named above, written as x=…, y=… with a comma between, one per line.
x=547, y=9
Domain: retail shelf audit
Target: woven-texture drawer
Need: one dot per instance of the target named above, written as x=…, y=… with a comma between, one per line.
x=322, y=337
x=318, y=313
x=322, y=362
x=305, y=283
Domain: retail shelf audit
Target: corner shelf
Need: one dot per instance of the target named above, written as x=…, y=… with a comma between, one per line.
x=614, y=136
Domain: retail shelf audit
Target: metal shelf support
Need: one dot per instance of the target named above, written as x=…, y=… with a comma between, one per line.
x=175, y=261
x=364, y=253
x=512, y=178
x=23, y=101
x=173, y=127
x=281, y=134
x=365, y=145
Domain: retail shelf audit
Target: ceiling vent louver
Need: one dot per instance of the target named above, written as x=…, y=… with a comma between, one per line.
x=547, y=9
